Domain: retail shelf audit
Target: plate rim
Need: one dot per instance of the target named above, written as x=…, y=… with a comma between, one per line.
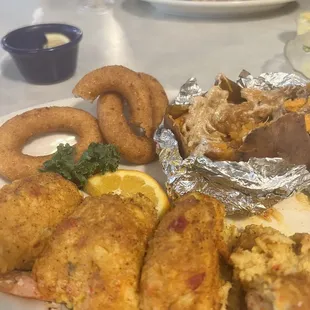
x=219, y=4
x=57, y=102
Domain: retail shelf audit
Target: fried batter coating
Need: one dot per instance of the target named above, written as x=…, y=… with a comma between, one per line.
x=18, y=130
x=159, y=98
x=94, y=258
x=30, y=209
x=115, y=130
x=274, y=269
x=181, y=269
x=137, y=149
x=125, y=82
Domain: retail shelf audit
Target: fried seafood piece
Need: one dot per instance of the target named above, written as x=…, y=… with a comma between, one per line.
x=21, y=128
x=115, y=130
x=126, y=83
x=30, y=209
x=94, y=258
x=273, y=269
x=135, y=148
x=159, y=99
x=181, y=268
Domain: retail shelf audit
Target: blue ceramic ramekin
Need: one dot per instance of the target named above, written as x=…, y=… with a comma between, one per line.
x=40, y=65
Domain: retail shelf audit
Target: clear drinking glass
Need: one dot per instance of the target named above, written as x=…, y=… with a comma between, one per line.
x=95, y=6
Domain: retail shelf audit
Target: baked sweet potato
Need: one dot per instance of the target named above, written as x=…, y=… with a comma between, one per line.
x=225, y=126
x=286, y=137
x=234, y=90
x=217, y=151
x=175, y=126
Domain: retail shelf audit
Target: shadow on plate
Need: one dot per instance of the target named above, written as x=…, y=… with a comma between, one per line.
x=10, y=70
x=287, y=36
x=3, y=181
x=155, y=170
x=278, y=63
x=142, y=9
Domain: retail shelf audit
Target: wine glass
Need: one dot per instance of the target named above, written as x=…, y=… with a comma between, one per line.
x=95, y=6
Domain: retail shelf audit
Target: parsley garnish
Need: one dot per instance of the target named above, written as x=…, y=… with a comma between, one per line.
x=98, y=158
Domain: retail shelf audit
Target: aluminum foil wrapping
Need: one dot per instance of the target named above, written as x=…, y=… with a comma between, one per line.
x=244, y=187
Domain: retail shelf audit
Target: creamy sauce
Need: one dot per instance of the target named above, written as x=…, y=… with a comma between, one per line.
x=289, y=216
x=271, y=214
x=198, y=129
x=304, y=200
x=55, y=39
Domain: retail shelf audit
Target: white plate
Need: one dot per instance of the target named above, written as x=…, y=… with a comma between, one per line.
x=293, y=214
x=216, y=8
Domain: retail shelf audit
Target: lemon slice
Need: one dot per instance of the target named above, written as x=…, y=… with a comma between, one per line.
x=127, y=183
x=55, y=39
x=303, y=25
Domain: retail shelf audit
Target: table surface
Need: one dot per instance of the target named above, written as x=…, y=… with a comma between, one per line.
x=135, y=35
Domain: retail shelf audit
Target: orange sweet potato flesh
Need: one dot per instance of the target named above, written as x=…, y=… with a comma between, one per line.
x=294, y=105
x=307, y=120
x=221, y=150
x=175, y=126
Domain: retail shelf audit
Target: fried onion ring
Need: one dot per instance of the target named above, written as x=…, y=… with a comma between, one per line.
x=18, y=130
x=115, y=130
x=125, y=82
x=159, y=99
